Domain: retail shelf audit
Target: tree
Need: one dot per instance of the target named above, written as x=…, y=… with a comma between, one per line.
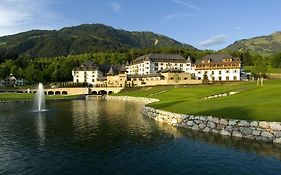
x=205, y=79
x=276, y=60
x=260, y=67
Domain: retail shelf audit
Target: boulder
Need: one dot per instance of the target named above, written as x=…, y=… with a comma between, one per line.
x=245, y=130
x=201, y=126
x=275, y=126
x=264, y=125
x=256, y=132
x=174, y=121
x=206, y=129
x=216, y=120
x=277, y=140
x=229, y=128
x=232, y=122
x=254, y=124
x=211, y=124
x=243, y=123
x=236, y=134
x=190, y=123
x=223, y=122
x=224, y=132
x=195, y=127
x=267, y=135
x=277, y=134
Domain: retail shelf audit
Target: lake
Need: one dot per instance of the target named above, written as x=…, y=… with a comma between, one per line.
x=112, y=137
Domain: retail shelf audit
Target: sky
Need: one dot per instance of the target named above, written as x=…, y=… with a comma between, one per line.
x=205, y=24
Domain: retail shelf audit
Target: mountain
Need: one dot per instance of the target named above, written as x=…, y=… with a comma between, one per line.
x=263, y=45
x=85, y=38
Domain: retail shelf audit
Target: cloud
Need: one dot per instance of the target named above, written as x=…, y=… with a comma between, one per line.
x=180, y=2
x=174, y=16
x=213, y=41
x=115, y=6
x=21, y=15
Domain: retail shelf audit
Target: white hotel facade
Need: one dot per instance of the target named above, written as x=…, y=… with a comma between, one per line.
x=154, y=62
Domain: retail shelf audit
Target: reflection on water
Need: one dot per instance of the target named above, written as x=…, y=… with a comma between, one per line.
x=112, y=137
x=40, y=127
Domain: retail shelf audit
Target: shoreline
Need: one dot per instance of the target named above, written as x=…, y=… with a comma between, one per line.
x=255, y=130
x=47, y=100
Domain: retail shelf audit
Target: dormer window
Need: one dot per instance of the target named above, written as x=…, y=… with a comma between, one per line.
x=206, y=61
x=227, y=60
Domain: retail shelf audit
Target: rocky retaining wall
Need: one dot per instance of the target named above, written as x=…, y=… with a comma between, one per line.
x=257, y=130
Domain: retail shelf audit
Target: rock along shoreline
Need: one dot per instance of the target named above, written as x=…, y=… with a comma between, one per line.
x=256, y=130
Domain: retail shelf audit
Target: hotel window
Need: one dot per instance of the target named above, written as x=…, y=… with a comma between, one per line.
x=227, y=71
x=220, y=78
x=181, y=65
x=161, y=64
x=176, y=64
x=227, y=77
x=206, y=72
x=155, y=64
x=199, y=72
x=234, y=71
x=213, y=72
x=187, y=64
x=220, y=72
x=234, y=78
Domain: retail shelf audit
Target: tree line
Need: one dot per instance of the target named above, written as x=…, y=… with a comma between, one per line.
x=59, y=69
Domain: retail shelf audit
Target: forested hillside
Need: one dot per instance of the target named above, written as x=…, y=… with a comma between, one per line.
x=86, y=38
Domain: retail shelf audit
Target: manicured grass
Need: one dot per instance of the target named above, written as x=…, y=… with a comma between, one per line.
x=252, y=103
x=23, y=96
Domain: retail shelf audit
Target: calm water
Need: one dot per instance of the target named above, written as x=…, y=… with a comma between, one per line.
x=99, y=137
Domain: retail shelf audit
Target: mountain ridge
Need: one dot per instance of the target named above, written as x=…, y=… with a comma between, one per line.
x=266, y=44
x=84, y=38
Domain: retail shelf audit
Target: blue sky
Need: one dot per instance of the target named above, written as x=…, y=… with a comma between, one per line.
x=205, y=24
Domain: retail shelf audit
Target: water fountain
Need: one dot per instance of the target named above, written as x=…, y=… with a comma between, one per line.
x=39, y=101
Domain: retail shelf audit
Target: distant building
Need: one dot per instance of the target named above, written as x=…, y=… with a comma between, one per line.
x=91, y=73
x=154, y=62
x=218, y=67
x=12, y=81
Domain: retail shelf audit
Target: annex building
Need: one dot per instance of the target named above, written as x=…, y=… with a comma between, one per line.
x=218, y=67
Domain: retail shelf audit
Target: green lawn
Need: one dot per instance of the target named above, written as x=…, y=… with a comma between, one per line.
x=252, y=103
x=269, y=69
x=22, y=96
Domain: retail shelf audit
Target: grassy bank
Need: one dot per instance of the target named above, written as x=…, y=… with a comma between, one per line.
x=252, y=102
x=22, y=96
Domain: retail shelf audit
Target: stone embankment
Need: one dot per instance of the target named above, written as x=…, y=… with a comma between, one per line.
x=257, y=130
